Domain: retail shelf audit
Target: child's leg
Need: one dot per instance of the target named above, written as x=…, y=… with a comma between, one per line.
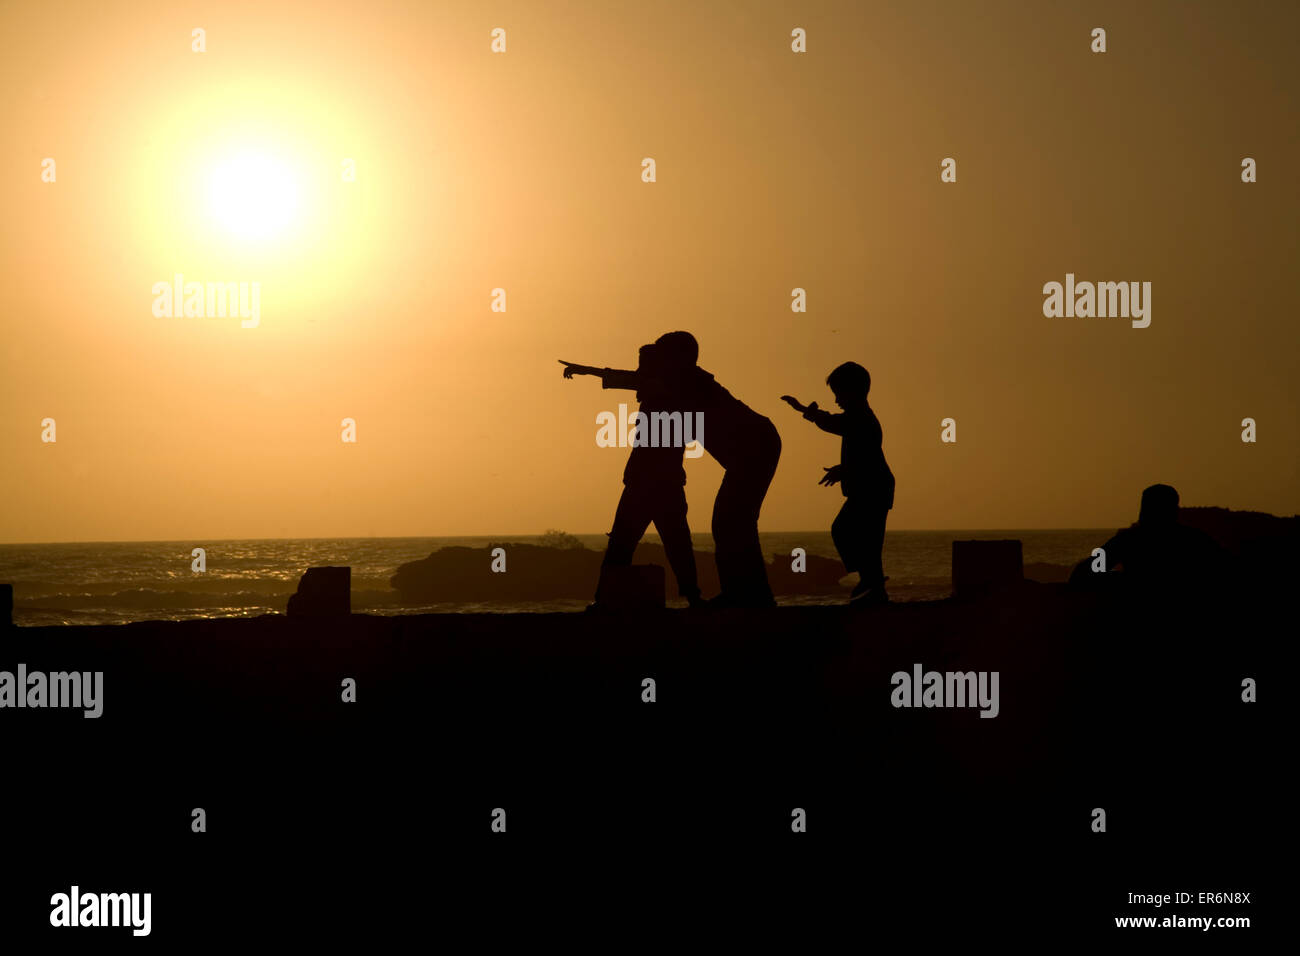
x=873, y=545
x=631, y=518
x=847, y=533
x=859, y=535
x=742, y=570
x=670, y=522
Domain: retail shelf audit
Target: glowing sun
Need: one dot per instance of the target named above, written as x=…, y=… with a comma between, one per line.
x=253, y=196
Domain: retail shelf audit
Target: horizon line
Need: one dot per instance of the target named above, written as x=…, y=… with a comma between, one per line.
x=531, y=534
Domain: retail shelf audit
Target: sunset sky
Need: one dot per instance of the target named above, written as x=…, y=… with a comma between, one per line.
x=522, y=170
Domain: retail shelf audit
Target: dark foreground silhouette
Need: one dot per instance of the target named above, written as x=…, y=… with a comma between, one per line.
x=326, y=816
x=755, y=714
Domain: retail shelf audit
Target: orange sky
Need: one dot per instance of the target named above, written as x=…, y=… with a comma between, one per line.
x=522, y=171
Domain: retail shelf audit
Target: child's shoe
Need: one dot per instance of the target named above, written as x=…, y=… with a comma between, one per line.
x=866, y=593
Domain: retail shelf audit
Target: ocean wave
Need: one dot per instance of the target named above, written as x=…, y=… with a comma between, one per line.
x=153, y=598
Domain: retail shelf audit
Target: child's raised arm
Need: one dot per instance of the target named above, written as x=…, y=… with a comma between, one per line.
x=573, y=368
x=826, y=421
x=620, y=378
x=609, y=377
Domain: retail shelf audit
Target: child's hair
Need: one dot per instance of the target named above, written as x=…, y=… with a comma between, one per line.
x=850, y=379
x=678, y=350
x=650, y=359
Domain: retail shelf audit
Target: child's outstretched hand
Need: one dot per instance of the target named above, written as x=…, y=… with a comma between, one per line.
x=832, y=475
x=797, y=405
x=573, y=368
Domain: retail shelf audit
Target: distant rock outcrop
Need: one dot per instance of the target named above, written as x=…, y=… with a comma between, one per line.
x=1243, y=533
x=981, y=567
x=639, y=587
x=1266, y=547
x=323, y=592
x=1259, y=550
x=540, y=573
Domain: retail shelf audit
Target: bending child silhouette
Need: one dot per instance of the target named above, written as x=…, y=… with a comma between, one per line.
x=863, y=475
x=653, y=481
x=747, y=446
x=744, y=442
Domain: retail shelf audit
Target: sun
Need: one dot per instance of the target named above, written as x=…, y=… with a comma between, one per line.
x=254, y=196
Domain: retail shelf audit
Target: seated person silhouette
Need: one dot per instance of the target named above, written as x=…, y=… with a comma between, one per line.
x=1156, y=553
x=653, y=481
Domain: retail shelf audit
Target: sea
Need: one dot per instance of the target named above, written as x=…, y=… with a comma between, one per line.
x=120, y=582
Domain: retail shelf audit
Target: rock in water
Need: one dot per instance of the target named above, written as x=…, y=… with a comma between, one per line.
x=639, y=587
x=323, y=592
x=979, y=567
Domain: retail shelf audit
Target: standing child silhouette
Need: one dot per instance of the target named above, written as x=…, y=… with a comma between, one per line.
x=863, y=476
x=652, y=481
